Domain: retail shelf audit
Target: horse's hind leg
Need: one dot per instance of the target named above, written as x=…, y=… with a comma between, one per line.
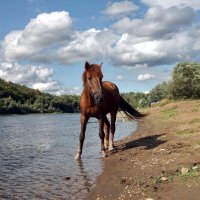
x=113, y=119
x=107, y=131
x=102, y=135
x=84, y=121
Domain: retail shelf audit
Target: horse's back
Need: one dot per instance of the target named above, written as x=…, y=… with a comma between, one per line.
x=110, y=87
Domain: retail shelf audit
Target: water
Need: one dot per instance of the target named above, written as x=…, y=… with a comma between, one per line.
x=37, y=156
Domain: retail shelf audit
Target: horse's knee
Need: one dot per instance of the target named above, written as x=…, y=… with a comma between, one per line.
x=81, y=137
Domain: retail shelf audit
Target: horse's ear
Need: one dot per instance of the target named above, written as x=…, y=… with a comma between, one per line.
x=101, y=64
x=87, y=65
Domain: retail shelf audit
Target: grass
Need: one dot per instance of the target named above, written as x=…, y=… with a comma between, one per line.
x=191, y=174
x=195, y=108
x=186, y=132
x=195, y=121
x=170, y=112
x=163, y=102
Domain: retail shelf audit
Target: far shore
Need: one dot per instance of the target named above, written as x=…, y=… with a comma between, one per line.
x=160, y=161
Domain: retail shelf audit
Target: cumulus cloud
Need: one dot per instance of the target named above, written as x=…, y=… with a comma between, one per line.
x=91, y=44
x=41, y=32
x=157, y=22
x=24, y=73
x=195, y=4
x=51, y=86
x=159, y=38
x=119, y=9
x=144, y=77
x=37, y=77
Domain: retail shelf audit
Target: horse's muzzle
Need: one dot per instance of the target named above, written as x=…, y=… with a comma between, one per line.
x=98, y=97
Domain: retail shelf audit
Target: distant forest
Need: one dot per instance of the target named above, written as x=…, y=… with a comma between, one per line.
x=18, y=99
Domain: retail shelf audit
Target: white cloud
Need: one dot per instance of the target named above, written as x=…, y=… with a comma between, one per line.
x=160, y=38
x=119, y=78
x=51, y=86
x=24, y=74
x=195, y=4
x=91, y=44
x=37, y=77
x=144, y=77
x=119, y=9
x=157, y=23
x=45, y=30
x=75, y=90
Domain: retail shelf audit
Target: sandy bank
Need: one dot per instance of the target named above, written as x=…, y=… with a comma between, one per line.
x=160, y=161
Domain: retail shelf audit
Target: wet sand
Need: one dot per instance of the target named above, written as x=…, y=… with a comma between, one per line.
x=160, y=161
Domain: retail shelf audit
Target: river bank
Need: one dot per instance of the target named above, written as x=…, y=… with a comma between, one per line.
x=160, y=161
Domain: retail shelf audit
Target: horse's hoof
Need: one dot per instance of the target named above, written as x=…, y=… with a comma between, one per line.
x=111, y=148
x=78, y=156
x=103, y=155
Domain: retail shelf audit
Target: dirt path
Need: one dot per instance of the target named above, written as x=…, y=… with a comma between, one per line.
x=160, y=161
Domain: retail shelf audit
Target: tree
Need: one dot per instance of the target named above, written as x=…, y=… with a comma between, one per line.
x=186, y=81
x=159, y=92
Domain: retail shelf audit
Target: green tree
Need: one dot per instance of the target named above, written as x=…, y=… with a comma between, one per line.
x=185, y=81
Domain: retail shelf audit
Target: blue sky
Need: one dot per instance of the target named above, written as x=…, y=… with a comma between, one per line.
x=44, y=44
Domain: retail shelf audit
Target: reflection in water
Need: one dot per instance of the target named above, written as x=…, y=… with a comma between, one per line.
x=37, y=154
x=86, y=180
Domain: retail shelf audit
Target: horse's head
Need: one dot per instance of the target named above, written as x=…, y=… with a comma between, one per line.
x=92, y=80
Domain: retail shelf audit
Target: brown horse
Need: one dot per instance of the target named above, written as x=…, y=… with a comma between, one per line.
x=99, y=98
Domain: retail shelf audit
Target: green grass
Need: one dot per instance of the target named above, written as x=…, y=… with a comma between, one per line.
x=191, y=174
x=163, y=102
x=170, y=112
x=195, y=121
x=195, y=108
x=186, y=132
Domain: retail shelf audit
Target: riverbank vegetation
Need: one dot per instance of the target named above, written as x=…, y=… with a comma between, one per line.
x=185, y=84
x=18, y=99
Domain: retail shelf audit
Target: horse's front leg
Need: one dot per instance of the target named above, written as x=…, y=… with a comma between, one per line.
x=84, y=121
x=102, y=135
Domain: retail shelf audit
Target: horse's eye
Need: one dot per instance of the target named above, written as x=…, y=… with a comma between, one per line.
x=89, y=78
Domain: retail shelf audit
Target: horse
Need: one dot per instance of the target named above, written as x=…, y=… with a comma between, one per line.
x=99, y=98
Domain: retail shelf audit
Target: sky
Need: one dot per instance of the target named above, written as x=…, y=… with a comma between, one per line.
x=45, y=44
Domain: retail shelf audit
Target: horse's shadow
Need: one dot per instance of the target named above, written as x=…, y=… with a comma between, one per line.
x=148, y=143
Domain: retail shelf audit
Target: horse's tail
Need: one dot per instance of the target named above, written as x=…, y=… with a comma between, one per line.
x=130, y=112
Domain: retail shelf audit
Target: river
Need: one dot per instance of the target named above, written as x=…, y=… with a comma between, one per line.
x=37, y=156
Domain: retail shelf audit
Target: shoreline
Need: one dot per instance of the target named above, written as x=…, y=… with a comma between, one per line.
x=149, y=163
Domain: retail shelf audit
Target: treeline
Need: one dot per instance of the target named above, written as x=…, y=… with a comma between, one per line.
x=18, y=99
x=185, y=84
